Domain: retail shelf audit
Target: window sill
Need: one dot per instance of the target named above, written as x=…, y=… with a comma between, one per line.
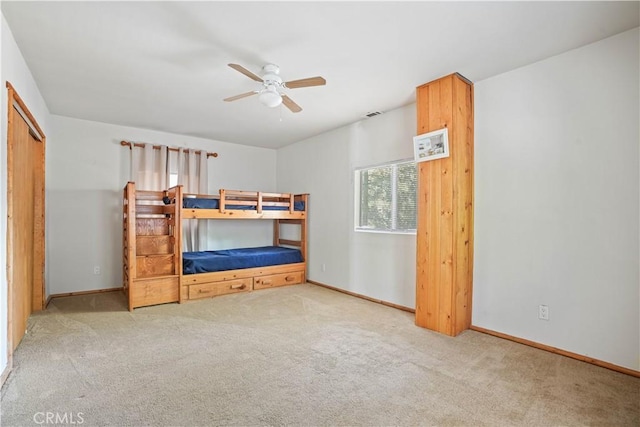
x=400, y=232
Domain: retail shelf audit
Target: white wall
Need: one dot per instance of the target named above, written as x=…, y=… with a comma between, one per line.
x=380, y=266
x=87, y=169
x=13, y=69
x=557, y=210
x=557, y=194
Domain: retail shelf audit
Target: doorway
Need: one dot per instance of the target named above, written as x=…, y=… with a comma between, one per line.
x=25, y=218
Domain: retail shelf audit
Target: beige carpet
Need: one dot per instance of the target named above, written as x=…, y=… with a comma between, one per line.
x=301, y=355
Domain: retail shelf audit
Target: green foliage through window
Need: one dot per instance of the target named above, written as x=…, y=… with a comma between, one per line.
x=387, y=197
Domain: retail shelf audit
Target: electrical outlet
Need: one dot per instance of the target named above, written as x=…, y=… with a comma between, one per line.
x=324, y=267
x=96, y=270
x=543, y=312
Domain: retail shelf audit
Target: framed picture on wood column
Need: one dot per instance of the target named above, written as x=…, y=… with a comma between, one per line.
x=431, y=146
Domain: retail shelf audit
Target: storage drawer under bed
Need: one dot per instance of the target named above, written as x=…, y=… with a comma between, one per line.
x=274, y=280
x=206, y=290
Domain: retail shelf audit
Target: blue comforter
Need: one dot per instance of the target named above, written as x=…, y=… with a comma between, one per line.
x=235, y=259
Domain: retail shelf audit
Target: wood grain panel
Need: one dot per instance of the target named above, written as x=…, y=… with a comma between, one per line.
x=149, y=195
x=129, y=223
x=239, y=214
x=154, y=291
x=152, y=226
x=444, y=223
x=176, y=231
x=276, y=280
x=208, y=290
x=423, y=201
x=445, y=214
x=25, y=237
x=22, y=217
x=463, y=129
x=148, y=209
x=11, y=312
x=303, y=232
x=154, y=265
x=192, y=279
x=184, y=291
x=276, y=231
x=471, y=200
x=128, y=252
x=154, y=245
x=38, y=297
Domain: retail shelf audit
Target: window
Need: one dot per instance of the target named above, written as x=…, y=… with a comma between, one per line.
x=173, y=180
x=173, y=168
x=386, y=198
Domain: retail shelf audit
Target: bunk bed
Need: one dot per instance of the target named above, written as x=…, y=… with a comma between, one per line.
x=157, y=270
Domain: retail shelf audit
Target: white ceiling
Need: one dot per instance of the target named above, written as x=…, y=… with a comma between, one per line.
x=163, y=65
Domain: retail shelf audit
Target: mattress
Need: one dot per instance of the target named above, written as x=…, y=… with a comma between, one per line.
x=235, y=259
x=202, y=203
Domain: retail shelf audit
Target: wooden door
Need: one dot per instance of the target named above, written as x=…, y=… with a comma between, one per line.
x=23, y=226
x=25, y=219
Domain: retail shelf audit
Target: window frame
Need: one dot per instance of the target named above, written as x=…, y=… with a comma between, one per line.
x=394, y=198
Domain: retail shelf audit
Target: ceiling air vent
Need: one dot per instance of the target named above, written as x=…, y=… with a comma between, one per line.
x=372, y=114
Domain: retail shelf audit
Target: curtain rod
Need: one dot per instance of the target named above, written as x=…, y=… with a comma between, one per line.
x=157, y=147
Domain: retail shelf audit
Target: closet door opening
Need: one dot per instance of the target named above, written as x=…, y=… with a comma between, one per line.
x=25, y=218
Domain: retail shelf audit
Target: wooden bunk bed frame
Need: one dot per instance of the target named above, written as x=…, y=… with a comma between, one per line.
x=153, y=270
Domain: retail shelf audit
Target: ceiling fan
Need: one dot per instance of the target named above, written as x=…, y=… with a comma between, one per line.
x=272, y=92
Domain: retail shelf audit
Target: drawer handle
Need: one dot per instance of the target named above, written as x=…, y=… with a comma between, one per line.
x=290, y=278
x=242, y=286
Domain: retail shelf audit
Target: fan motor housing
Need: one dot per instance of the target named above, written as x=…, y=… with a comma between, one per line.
x=270, y=75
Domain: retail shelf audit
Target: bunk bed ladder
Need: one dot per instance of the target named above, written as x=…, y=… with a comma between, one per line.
x=151, y=258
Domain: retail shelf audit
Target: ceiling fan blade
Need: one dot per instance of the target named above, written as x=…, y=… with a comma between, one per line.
x=242, y=95
x=311, y=81
x=246, y=72
x=288, y=102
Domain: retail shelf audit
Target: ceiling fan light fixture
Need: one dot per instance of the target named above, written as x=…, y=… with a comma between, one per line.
x=270, y=97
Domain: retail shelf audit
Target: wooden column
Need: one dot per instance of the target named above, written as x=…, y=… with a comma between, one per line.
x=444, y=266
